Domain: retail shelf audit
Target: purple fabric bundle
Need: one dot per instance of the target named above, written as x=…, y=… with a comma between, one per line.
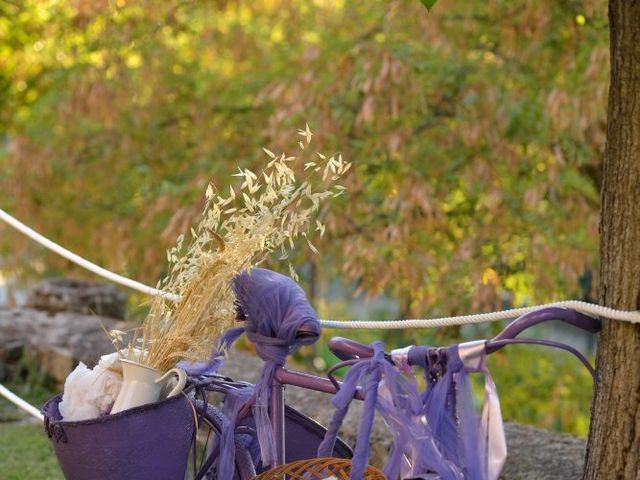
x=398, y=401
x=474, y=444
x=436, y=433
x=416, y=448
x=278, y=320
x=234, y=400
x=369, y=373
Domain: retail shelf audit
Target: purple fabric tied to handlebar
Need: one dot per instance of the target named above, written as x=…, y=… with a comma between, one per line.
x=397, y=399
x=278, y=320
x=233, y=403
x=474, y=444
x=437, y=432
x=368, y=371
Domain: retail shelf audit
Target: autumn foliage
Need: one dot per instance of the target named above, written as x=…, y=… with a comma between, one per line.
x=475, y=130
x=476, y=133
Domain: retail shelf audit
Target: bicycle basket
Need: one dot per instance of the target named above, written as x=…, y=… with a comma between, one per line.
x=317, y=469
x=149, y=442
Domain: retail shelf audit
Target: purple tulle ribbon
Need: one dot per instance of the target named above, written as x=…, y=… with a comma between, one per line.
x=437, y=433
x=368, y=374
x=234, y=400
x=278, y=320
x=397, y=399
x=415, y=449
x=473, y=443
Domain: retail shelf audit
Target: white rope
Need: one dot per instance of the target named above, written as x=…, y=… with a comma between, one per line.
x=584, y=307
x=27, y=407
x=92, y=267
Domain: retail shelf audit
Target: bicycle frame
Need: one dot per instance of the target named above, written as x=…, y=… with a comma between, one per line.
x=284, y=377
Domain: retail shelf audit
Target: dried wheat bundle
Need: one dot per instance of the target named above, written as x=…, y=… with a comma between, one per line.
x=266, y=214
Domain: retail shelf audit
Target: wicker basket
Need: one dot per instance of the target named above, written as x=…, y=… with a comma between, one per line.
x=317, y=469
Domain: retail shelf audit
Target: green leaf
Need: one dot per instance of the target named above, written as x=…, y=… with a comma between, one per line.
x=428, y=3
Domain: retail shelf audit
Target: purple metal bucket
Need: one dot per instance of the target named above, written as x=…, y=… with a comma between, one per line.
x=147, y=442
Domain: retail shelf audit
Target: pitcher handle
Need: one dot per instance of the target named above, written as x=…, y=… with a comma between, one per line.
x=182, y=380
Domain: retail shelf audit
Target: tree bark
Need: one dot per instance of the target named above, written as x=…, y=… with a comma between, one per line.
x=613, y=450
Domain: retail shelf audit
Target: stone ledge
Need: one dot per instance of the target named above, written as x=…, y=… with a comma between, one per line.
x=58, y=341
x=78, y=296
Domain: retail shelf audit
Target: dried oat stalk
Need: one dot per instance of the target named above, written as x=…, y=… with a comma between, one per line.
x=266, y=214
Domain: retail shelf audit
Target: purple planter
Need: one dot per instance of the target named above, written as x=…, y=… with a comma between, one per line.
x=147, y=442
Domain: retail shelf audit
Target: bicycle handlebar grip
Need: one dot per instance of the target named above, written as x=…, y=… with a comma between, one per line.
x=346, y=349
x=565, y=315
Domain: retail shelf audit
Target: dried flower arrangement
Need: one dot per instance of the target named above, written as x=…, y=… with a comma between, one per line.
x=266, y=214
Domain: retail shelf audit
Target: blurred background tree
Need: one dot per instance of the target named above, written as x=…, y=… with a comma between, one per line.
x=476, y=132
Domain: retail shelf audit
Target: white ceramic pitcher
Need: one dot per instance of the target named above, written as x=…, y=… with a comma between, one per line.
x=142, y=384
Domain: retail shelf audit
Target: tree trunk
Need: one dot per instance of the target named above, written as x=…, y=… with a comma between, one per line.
x=613, y=450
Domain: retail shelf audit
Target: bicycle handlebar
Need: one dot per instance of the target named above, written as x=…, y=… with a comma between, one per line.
x=568, y=316
x=495, y=345
x=346, y=349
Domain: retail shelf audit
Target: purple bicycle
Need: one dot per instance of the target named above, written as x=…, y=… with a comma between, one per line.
x=437, y=430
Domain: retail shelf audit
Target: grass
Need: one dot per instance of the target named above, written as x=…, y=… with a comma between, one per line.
x=25, y=453
x=25, y=450
x=27, y=380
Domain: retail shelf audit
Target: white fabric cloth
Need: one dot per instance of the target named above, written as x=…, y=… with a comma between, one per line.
x=474, y=357
x=90, y=393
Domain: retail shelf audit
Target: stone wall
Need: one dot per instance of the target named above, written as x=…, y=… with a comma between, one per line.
x=77, y=296
x=61, y=327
